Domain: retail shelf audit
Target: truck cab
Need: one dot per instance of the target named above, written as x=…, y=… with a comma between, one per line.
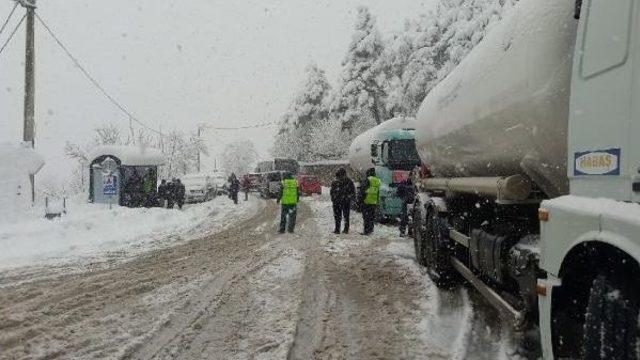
x=590, y=239
x=394, y=155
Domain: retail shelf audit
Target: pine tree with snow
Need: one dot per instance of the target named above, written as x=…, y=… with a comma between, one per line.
x=307, y=110
x=359, y=99
x=393, y=62
x=464, y=24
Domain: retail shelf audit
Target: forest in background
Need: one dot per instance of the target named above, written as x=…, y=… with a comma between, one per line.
x=382, y=77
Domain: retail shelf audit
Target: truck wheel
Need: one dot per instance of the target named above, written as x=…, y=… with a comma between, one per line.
x=611, y=321
x=437, y=251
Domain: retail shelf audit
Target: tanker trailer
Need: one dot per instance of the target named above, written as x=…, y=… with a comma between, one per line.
x=390, y=149
x=532, y=187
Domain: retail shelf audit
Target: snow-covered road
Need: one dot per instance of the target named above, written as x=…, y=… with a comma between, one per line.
x=240, y=291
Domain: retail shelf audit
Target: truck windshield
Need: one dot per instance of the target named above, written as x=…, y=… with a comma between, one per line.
x=403, y=155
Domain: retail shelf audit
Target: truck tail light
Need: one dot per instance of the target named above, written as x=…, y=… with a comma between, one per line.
x=399, y=176
x=425, y=171
x=543, y=214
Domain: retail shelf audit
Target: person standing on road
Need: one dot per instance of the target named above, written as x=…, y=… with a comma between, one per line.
x=149, y=189
x=406, y=193
x=234, y=187
x=288, y=197
x=342, y=194
x=246, y=186
x=171, y=193
x=162, y=192
x=180, y=192
x=369, y=198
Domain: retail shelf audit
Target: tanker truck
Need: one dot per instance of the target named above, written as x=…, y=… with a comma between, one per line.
x=390, y=149
x=531, y=175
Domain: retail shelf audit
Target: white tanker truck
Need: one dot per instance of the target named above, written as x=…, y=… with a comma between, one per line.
x=533, y=175
x=390, y=149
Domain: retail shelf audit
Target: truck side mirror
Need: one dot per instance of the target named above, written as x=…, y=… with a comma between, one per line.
x=374, y=150
x=577, y=9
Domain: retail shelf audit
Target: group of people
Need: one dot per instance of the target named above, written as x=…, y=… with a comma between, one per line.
x=343, y=195
x=140, y=190
x=171, y=193
x=235, y=185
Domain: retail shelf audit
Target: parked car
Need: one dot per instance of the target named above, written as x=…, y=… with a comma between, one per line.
x=220, y=181
x=309, y=185
x=198, y=188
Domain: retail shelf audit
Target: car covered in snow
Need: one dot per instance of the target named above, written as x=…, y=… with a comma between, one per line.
x=221, y=183
x=199, y=188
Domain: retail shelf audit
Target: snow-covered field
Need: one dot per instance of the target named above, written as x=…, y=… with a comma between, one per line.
x=94, y=232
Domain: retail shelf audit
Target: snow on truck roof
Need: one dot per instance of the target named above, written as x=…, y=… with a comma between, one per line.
x=130, y=155
x=19, y=156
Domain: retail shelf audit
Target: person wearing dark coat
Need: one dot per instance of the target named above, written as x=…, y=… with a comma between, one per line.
x=369, y=199
x=179, y=193
x=133, y=190
x=171, y=192
x=342, y=193
x=162, y=192
x=234, y=187
x=246, y=186
x=406, y=193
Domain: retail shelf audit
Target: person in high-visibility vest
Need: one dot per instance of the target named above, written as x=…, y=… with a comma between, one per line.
x=369, y=198
x=288, y=199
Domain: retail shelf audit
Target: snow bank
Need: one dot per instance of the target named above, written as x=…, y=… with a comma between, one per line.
x=17, y=162
x=94, y=231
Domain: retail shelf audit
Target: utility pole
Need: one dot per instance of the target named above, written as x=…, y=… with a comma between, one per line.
x=199, y=133
x=30, y=81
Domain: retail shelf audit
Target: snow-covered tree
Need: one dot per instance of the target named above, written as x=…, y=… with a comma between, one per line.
x=359, y=99
x=181, y=154
x=393, y=61
x=239, y=156
x=330, y=142
x=464, y=23
x=307, y=110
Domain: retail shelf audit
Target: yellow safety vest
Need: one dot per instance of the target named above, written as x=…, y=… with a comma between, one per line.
x=289, y=192
x=372, y=194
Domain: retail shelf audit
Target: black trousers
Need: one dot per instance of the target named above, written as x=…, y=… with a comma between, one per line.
x=368, y=217
x=341, y=211
x=234, y=197
x=288, y=218
x=404, y=218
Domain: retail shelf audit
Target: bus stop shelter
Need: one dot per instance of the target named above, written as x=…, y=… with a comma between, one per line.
x=124, y=175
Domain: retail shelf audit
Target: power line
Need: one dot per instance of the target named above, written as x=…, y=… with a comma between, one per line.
x=260, y=125
x=12, y=33
x=94, y=81
x=4, y=25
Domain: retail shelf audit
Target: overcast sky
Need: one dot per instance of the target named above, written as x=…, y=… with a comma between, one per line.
x=176, y=64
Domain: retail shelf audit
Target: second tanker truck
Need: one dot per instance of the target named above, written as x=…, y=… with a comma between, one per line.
x=534, y=175
x=390, y=149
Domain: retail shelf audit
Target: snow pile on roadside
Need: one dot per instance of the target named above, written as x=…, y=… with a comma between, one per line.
x=95, y=231
x=18, y=162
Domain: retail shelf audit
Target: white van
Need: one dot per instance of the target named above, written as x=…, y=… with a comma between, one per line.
x=198, y=188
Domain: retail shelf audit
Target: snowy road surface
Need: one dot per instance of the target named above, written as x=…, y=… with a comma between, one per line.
x=243, y=292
